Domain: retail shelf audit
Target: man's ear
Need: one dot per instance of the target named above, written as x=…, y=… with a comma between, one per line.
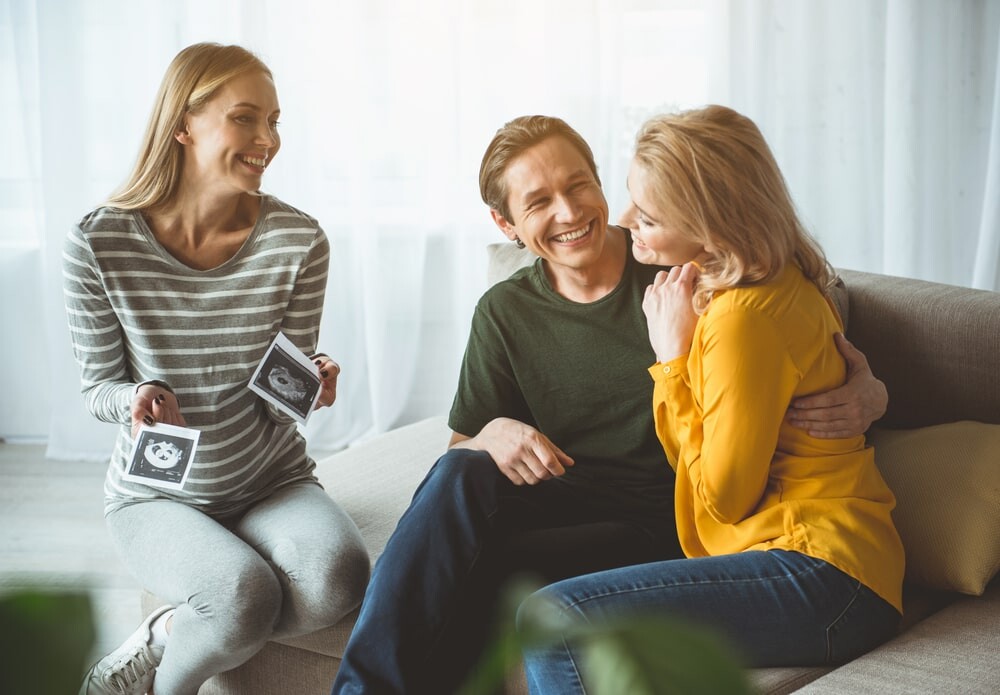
x=506, y=227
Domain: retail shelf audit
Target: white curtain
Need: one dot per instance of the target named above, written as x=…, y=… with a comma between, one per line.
x=885, y=117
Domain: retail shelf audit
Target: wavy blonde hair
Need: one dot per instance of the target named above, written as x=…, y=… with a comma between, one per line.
x=714, y=178
x=191, y=80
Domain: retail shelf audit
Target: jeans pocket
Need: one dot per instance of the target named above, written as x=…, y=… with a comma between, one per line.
x=835, y=630
x=866, y=621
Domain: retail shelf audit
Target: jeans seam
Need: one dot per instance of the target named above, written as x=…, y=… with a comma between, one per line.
x=435, y=640
x=744, y=580
x=829, y=628
x=576, y=670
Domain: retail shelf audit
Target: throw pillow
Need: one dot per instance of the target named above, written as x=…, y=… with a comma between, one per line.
x=946, y=479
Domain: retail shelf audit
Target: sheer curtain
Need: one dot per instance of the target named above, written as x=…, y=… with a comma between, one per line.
x=885, y=118
x=386, y=109
x=883, y=115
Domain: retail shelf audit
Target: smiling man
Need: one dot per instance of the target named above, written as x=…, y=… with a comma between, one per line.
x=554, y=467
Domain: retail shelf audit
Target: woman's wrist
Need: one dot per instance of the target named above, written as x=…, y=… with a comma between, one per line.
x=151, y=382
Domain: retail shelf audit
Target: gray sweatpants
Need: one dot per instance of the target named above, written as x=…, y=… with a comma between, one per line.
x=292, y=564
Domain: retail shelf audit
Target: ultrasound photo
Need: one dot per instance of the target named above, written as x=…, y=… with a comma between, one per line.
x=162, y=456
x=286, y=378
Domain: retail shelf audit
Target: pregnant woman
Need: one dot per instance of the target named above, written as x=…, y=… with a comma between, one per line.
x=174, y=290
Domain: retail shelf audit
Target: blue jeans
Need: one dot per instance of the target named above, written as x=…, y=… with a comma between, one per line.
x=778, y=608
x=434, y=592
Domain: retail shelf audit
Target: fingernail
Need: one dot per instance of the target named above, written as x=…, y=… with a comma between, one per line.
x=323, y=373
x=148, y=420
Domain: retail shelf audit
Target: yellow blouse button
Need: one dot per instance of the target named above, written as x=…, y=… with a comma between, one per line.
x=666, y=369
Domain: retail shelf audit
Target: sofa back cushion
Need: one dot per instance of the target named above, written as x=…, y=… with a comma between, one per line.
x=504, y=259
x=936, y=347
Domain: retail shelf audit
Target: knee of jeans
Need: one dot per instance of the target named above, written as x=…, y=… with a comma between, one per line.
x=544, y=612
x=461, y=470
x=459, y=461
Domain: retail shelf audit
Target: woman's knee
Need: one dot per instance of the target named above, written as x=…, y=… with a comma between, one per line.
x=350, y=571
x=339, y=584
x=323, y=582
x=545, y=611
x=242, y=608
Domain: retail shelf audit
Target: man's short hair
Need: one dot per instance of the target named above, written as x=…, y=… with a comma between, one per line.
x=510, y=142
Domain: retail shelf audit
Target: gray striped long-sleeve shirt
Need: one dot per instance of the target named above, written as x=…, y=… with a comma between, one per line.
x=136, y=313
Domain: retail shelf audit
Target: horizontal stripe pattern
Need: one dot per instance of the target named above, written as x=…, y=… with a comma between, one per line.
x=136, y=313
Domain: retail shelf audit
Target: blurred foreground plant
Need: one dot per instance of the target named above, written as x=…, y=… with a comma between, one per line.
x=637, y=656
x=45, y=640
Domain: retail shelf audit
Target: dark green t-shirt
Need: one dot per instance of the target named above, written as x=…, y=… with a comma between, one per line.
x=577, y=373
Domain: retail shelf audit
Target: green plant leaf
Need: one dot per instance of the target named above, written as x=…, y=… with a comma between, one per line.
x=45, y=640
x=638, y=656
x=648, y=656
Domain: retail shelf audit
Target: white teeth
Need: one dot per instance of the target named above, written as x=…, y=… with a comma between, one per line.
x=574, y=235
x=255, y=161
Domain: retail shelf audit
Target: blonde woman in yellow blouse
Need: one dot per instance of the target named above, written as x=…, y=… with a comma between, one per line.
x=791, y=550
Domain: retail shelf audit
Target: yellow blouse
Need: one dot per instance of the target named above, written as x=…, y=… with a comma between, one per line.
x=747, y=480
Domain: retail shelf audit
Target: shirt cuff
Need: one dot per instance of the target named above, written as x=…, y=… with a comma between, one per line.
x=662, y=371
x=155, y=382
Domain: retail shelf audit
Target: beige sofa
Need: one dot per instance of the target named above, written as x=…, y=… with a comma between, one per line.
x=937, y=348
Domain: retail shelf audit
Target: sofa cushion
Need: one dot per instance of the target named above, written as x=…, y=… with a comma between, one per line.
x=953, y=651
x=504, y=259
x=373, y=481
x=946, y=479
x=934, y=346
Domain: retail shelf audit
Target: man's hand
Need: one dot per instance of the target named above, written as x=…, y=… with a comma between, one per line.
x=846, y=411
x=522, y=453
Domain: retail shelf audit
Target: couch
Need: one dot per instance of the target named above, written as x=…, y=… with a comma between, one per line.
x=937, y=348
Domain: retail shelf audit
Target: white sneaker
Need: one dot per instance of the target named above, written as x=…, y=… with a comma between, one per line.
x=129, y=669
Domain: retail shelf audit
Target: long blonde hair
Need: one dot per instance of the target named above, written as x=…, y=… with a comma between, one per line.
x=715, y=179
x=191, y=80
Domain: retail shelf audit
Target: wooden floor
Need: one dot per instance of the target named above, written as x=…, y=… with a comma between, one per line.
x=52, y=536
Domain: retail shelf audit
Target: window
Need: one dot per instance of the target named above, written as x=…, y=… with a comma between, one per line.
x=19, y=222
